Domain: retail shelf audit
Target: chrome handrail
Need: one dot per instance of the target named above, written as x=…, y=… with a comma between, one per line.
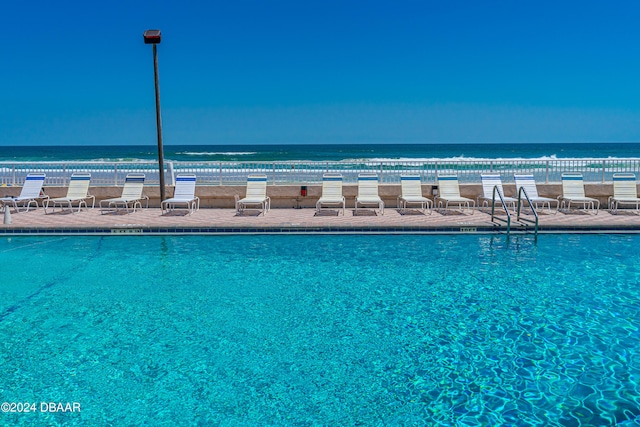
x=522, y=191
x=504, y=206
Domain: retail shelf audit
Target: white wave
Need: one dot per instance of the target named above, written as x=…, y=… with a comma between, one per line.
x=118, y=160
x=217, y=153
x=463, y=158
x=403, y=159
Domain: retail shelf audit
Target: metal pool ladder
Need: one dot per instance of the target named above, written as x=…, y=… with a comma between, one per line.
x=522, y=192
x=507, y=221
x=494, y=218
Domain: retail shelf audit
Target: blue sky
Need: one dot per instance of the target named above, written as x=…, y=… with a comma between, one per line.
x=257, y=72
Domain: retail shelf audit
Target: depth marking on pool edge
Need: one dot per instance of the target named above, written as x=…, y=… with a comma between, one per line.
x=126, y=230
x=468, y=229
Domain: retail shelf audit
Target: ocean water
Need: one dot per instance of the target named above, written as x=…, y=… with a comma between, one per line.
x=328, y=152
x=322, y=330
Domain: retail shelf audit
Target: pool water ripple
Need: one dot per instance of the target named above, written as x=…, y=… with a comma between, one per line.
x=325, y=330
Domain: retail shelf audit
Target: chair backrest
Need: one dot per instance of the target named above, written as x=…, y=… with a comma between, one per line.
x=572, y=186
x=625, y=186
x=411, y=185
x=79, y=186
x=332, y=185
x=185, y=186
x=257, y=186
x=32, y=185
x=528, y=182
x=367, y=185
x=133, y=185
x=489, y=181
x=448, y=186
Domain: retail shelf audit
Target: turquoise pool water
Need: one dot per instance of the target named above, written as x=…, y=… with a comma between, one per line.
x=322, y=330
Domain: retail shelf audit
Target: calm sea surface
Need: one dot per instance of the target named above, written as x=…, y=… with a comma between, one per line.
x=327, y=152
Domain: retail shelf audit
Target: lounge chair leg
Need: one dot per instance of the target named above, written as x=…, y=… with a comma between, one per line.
x=7, y=215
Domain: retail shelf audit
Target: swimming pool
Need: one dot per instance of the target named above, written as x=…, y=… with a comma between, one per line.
x=322, y=330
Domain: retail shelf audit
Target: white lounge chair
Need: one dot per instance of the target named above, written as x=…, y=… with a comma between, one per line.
x=30, y=194
x=412, y=193
x=184, y=194
x=449, y=193
x=528, y=182
x=256, y=195
x=78, y=192
x=368, y=192
x=489, y=182
x=331, y=192
x=573, y=193
x=131, y=197
x=625, y=192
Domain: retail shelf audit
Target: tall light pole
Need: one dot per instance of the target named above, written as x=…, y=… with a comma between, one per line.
x=153, y=37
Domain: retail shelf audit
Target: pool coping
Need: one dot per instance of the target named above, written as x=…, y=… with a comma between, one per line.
x=304, y=221
x=152, y=230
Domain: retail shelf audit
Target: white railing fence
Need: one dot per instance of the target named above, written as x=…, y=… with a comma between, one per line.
x=302, y=172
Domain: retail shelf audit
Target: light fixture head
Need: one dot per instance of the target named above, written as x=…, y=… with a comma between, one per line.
x=152, y=36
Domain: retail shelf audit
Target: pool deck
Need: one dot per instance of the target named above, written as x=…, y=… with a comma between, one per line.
x=304, y=221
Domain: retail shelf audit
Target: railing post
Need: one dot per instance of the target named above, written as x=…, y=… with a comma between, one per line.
x=115, y=174
x=604, y=165
x=435, y=172
x=546, y=177
x=172, y=173
x=220, y=172
x=13, y=173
